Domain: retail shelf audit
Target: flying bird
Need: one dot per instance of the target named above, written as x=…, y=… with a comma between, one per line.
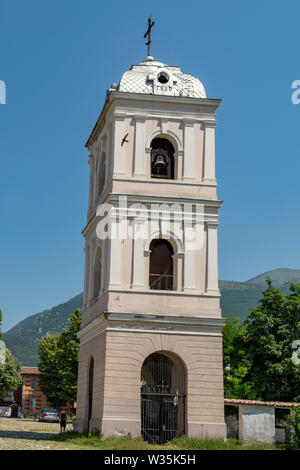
x=124, y=140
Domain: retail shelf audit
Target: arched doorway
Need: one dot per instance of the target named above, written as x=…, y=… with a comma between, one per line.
x=163, y=382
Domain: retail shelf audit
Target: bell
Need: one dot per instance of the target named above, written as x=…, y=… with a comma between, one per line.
x=159, y=163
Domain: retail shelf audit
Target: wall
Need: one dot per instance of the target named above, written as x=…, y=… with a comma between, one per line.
x=257, y=423
x=95, y=348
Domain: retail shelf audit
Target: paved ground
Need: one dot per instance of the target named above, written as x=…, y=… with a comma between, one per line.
x=17, y=434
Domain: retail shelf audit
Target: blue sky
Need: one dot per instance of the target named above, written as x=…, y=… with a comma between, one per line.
x=58, y=58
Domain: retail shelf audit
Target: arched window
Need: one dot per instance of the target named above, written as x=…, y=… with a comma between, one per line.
x=162, y=159
x=91, y=386
x=101, y=173
x=97, y=273
x=161, y=265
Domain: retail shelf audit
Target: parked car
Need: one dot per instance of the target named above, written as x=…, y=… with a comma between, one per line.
x=50, y=415
x=5, y=411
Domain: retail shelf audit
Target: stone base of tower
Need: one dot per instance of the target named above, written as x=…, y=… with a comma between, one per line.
x=120, y=428
x=109, y=427
x=120, y=349
x=204, y=430
x=133, y=428
x=81, y=425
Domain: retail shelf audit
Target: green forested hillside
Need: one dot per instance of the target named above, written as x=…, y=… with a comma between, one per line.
x=23, y=339
x=236, y=298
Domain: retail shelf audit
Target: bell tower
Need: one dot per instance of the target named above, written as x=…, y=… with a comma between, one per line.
x=150, y=341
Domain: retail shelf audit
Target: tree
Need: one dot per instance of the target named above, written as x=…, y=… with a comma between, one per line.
x=294, y=420
x=59, y=363
x=270, y=331
x=10, y=377
x=235, y=361
x=49, y=366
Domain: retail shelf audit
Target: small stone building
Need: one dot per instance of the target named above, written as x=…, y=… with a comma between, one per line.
x=253, y=420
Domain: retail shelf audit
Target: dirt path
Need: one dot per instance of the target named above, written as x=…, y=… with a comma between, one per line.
x=17, y=434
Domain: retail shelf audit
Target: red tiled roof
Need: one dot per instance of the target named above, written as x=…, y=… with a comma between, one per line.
x=30, y=370
x=281, y=404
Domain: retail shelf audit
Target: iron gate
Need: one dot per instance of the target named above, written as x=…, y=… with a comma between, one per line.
x=162, y=398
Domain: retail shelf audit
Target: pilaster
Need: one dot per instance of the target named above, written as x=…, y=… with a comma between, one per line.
x=114, y=248
x=139, y=147
x=209, y=152
x=138, y=240
x=189, y=259
x=212, y=259
x=118, y=151
x=189, y=150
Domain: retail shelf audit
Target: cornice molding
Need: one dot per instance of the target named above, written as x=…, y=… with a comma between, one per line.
x=109, y=321
x=140, y=117
x=121, y=95
x=107, y=114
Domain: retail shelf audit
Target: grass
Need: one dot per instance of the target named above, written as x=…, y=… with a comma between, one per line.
x=28, y=434
x=96, y=442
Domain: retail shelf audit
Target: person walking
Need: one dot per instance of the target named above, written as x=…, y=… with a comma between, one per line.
x=63, y=421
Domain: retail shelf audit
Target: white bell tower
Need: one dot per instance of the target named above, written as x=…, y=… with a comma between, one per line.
x=152, y=320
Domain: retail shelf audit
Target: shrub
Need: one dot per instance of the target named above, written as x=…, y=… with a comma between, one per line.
x=294, y=420
x=94, y=432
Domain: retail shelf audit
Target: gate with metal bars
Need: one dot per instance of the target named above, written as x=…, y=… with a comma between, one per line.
x=162, y=398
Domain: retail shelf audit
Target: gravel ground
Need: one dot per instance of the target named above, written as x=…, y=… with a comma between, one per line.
x=17, y=434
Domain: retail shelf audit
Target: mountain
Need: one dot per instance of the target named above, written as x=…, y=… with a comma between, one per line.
x=236, y=298
x=281, y=278
x=23, y=339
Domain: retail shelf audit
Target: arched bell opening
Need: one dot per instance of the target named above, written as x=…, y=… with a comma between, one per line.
x=163, y=383
x=162, y=159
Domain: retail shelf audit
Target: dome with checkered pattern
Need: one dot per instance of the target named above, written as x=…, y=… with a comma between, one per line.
x=153, y=77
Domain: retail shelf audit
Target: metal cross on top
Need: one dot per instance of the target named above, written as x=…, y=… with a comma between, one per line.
x=148, y=33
